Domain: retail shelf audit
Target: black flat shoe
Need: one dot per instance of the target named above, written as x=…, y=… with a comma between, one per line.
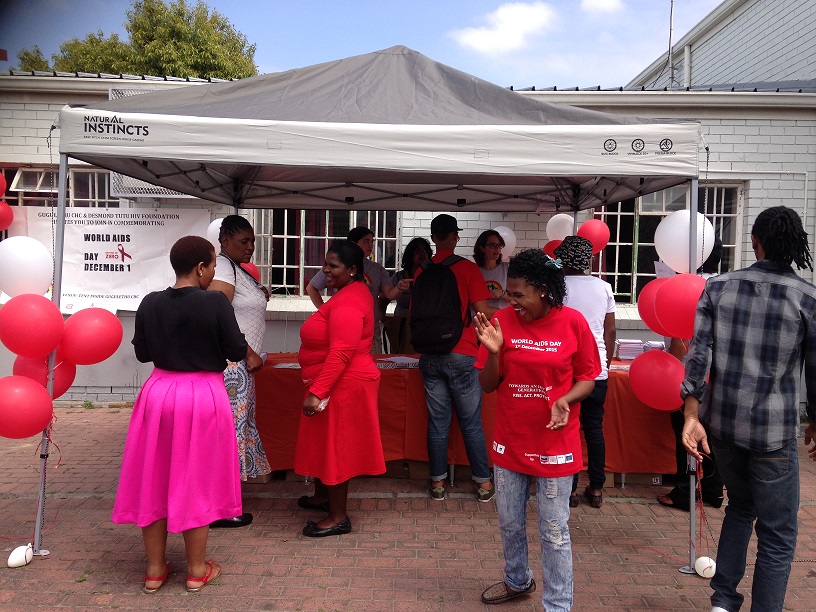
x=236, y=521
x=303, y=502
x=311, y=530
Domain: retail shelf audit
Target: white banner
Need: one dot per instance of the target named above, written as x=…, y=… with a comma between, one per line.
x=112, y=257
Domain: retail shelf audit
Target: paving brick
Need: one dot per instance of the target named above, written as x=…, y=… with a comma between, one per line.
x=406, y=552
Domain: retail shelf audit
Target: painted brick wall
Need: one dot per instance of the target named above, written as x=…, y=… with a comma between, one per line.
x=762, y=41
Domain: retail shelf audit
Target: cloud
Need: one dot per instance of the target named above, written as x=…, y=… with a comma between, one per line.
x=601, y=6
x=509, y=28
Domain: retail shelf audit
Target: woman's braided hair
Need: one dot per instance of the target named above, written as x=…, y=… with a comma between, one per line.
x=232, y=225
x=541, y=271
x=779, y=230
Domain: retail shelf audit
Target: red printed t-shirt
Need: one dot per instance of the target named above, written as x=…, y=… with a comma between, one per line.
x=538, y=363
x=472, y=288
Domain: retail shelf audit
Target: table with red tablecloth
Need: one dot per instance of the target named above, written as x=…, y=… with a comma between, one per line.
x=639, y=439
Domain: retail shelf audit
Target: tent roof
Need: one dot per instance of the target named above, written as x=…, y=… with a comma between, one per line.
x=387, y=130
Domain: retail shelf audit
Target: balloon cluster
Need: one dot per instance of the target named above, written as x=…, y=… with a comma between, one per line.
x=667, y=306
x=560, y=226
x=32, y=327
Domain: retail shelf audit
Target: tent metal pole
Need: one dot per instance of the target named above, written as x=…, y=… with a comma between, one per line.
x=59, y=241
x=692, y=462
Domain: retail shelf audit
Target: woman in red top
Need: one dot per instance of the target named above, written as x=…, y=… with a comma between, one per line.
x=339, y=434
x=542, y=359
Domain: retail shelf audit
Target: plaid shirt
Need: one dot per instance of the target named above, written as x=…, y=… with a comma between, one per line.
x=755, y=328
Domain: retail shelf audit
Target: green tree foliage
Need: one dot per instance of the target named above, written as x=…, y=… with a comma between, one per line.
x=175, y=40
x=187, y=41
x=32, y=59
x=94, y=53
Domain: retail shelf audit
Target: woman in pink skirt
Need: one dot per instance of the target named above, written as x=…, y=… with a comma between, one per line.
x=180, y=464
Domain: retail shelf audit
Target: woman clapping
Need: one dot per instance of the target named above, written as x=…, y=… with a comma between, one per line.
x=542, y=359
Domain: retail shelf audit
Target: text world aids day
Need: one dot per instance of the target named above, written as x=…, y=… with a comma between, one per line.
x=111, y=261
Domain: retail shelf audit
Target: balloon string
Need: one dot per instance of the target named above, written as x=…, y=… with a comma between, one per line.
x=703, y=521
x=50, y=441
x=56, y=365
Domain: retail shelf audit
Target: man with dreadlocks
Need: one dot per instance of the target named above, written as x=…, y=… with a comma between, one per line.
x=756, y=327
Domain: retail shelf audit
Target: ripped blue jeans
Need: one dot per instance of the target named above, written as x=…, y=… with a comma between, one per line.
x=552, y=499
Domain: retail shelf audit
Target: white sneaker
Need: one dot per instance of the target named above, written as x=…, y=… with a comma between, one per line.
x=718, y=609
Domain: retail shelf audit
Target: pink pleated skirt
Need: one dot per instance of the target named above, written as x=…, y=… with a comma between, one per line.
x=181, y=456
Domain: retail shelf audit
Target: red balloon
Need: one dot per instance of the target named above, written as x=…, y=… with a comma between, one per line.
x=91, y=335
x=30, y=325
x=36, y=368
x=597, y=232
x=253, y=270
x=6, y=216
x=646, y=306
x=655, y=377
x=25, y=407
x=2, y=185
x=676, y=303
x=550, y=247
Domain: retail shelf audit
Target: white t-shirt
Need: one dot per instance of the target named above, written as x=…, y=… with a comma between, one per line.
x=249, y=301
x=496, y=279
x=593, y=298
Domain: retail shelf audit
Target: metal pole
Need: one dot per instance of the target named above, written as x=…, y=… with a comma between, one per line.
x=692, y=462
x=692, y=470
x=52, y=359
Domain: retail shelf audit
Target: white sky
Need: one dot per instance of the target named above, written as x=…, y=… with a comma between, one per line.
x=566, y=43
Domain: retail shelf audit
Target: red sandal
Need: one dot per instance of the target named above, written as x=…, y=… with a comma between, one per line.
x=160, y=579
x=213, y=572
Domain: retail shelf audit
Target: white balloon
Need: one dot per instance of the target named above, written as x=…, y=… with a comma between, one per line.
x=672, y=240
x=26, y=266
x=21, y=556
x=560, y=226
x=705, y=567
x=509, y=238
x=212, y=234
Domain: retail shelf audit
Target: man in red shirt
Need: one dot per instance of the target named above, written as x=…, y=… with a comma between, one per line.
x=450, y=378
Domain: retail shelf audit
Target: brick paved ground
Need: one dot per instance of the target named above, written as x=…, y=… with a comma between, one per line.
x=406, y=552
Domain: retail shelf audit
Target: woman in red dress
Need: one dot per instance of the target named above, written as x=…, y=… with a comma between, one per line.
x=339, y=434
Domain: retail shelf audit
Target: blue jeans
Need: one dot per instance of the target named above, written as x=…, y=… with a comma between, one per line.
x=451, y=378
x=762, y=486
x=552, y=499
x=591, y=417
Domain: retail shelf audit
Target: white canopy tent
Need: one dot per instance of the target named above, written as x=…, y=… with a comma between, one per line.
x=390, y=130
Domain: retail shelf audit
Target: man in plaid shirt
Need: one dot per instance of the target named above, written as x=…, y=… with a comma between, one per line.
x=755, y=329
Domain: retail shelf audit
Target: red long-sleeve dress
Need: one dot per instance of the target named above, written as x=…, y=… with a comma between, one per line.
x=343, y=440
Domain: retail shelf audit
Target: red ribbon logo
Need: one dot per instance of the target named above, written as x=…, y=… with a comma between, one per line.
x=122, y=252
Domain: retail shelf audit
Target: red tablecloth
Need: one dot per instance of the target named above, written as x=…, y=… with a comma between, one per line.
x=639, y=439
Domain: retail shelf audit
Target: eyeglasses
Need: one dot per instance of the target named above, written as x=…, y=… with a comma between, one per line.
x=493, y=245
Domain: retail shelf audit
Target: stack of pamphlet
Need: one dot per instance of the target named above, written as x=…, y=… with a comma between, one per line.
x=627, y=350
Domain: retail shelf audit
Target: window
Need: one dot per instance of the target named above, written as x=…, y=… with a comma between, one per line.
x=294, y=242
x=627, y=262
x=91, y=188
x=39, y=187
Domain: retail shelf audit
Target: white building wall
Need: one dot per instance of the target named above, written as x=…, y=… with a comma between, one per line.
x=760, y=41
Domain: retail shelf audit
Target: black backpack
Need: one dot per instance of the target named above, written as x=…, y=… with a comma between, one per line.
x=436, y=310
